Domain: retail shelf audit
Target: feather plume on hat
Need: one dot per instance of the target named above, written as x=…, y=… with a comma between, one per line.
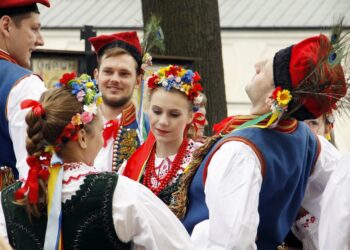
x=315, y=75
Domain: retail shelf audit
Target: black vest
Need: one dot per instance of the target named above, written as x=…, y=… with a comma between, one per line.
x=87, y=218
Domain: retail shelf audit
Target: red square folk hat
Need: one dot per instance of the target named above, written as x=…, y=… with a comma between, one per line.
x=125, y=40
x=20, y=3
x=312, y=72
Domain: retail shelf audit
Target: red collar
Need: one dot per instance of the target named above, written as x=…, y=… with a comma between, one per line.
x=7, y=57
x=128, y=115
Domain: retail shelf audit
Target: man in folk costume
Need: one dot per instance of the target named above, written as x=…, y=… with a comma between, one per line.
x=252, y=181
x=119, y=72
x=19, y=37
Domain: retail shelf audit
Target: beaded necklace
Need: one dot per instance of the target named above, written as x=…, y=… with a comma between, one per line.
x=174, y=168
x=125, y=138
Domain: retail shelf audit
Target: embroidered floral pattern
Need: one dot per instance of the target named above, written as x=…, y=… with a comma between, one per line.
x=163, y=168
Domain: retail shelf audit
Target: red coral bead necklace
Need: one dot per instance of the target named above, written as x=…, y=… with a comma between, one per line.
x=174, y=168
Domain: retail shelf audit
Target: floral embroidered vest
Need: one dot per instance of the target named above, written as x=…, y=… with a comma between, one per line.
x=87, y=218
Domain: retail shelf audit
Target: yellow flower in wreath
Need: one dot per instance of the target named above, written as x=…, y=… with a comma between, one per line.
x=284, y=97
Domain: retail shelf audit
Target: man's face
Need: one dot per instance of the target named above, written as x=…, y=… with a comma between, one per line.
x=261, y=85
x=24, y=38
x=117, y=79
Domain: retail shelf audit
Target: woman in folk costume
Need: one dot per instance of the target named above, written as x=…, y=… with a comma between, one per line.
x=323, y=125
x=243, y=190
x=65, y=202
x=167, y=151
x=334, y=229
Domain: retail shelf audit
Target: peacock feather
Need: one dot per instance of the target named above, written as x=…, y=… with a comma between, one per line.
x=325, y=79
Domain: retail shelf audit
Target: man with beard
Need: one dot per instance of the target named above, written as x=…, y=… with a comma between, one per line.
x=118, y=73
x=19, y=37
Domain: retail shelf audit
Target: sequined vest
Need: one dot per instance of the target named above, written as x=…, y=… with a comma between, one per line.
x=87, y=218
x=10, y=73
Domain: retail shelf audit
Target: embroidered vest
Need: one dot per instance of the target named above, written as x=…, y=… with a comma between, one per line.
x=10, y=73
x=87, y=218
x=127, y=139
x=284, y=174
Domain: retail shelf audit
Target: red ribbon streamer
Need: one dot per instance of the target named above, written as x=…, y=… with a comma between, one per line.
x=110, y=130
x=32, y=183
x=36, y=106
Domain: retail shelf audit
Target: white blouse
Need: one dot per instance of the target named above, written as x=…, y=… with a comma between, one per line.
x=138, y=215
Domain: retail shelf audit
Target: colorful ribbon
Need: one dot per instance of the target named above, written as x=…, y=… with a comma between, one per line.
x=53, y=236
x=36, y=106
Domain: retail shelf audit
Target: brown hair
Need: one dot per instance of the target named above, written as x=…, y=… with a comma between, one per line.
x=60, y=106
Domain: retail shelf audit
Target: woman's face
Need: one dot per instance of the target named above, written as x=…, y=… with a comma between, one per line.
x=169, y=114
x=318, y=126
x=94, y=139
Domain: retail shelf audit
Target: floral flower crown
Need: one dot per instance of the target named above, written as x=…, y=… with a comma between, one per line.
x=176, y=77
x=86, y=91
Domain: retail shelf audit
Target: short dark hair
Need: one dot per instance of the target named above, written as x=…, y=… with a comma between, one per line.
x=19, y=13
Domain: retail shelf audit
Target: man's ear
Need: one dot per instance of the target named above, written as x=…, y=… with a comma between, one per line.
x=5, y=25
x=82, y=138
